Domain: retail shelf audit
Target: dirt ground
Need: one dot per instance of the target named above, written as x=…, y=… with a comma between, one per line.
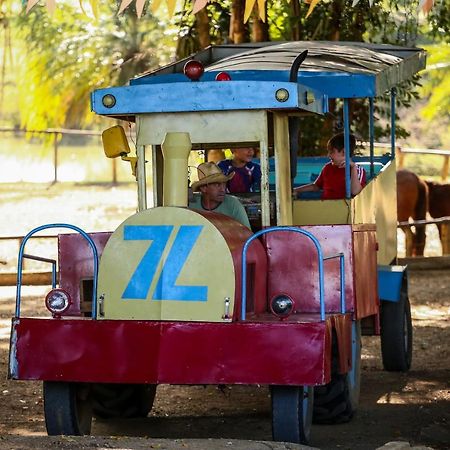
x=411, y=407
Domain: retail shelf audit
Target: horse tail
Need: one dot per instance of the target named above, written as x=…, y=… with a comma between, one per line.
x=420, y=213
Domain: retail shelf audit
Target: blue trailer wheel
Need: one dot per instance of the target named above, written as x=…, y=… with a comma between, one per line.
x=67, y=408
x=292, y=410
x=396, y=333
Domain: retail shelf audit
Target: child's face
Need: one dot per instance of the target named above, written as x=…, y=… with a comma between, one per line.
x=337, y=156
x=243, y=154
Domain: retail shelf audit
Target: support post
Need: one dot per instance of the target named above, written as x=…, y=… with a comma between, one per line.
x=282, y=166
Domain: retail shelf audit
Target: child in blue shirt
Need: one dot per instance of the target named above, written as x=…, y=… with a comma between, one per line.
x=247, y=175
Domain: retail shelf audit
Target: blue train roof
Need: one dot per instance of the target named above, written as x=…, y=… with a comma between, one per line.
x=258, y=71
x=338, y=69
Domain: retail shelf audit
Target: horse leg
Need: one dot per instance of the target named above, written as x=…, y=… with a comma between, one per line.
x=420, y=213
x=409, y=242
x=444, y=235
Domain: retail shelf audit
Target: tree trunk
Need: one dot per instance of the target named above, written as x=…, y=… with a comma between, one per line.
x=260, y=29
x=295, y=31
x=335, y=22
x=237, y=26
x=202, y=25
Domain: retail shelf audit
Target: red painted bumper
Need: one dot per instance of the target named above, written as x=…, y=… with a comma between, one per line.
x=288, y=353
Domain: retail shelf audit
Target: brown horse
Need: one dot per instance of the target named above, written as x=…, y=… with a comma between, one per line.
x=412, y=201
x=439, y=204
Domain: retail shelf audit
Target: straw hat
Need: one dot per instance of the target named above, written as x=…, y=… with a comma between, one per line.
x=210, y=173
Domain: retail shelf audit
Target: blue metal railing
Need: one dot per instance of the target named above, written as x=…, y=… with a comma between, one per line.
x=22, y=256
x=321, y=259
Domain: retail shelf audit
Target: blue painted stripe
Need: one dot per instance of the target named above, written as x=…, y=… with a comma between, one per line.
x=166, y=289
x=139, y=284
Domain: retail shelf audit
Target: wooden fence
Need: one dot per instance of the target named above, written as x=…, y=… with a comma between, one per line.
x=442, y=222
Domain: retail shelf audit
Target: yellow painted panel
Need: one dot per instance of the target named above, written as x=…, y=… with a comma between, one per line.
x=204, y=127
x=386, y=214
x=375, y=204
x=321, y=212
x=166, y=263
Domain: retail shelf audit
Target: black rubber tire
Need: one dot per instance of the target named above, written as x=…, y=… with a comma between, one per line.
x=122, y=400
x=337, y=401
x=396, y=333
x=292, y=410
x=67, y=408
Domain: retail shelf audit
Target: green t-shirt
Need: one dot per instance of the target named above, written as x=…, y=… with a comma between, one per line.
x=231, y=207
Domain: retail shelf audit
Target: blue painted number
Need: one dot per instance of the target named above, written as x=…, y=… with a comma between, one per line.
x=166, y=288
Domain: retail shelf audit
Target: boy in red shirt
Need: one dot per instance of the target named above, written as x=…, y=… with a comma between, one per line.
x=332, y=177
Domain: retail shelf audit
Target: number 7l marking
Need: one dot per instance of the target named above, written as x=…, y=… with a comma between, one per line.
x=165, y=289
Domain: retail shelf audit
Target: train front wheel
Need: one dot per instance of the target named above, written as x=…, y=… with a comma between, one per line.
x=292, y=410
x=67, y=408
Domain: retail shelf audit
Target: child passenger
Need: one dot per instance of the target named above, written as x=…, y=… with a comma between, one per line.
x=332, y=177
x=247, y=175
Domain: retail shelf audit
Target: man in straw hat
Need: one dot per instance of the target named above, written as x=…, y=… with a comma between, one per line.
x=212, y=186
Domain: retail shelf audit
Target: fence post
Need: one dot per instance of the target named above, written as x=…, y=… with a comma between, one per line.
x=55, y=159
x=114, y=171
x=444, y=172
x=400, y=157
x=445, y=238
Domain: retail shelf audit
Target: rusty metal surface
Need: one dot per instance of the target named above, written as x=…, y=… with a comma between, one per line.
x=293, y=267
x=76, y=263
x=174, y=352
x=366, y=285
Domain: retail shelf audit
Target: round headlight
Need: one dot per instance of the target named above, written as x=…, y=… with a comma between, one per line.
x=57, y=301
x=108, y=100
x=282, y=306
x=282, y=95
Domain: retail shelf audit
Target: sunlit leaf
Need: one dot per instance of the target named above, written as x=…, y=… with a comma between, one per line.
x=171, y=5
x=139, y=7
x=312, y=5
x=249, y=5
x=51, y=5
x=30, y=4
x=262, y=9
x=199, y=5
x=154, y=5
x=94, y=7
x=124, y=5
x=426, y=5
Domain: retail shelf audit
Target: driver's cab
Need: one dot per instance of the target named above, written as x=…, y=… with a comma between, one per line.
x=270, y=204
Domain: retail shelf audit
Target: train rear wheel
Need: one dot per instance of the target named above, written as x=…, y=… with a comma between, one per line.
x=67, y=408
x=292, y=409
x=122, y=400
x=337, y=401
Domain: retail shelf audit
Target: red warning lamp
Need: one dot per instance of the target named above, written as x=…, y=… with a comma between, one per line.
x=223, y=76
x=193, y=70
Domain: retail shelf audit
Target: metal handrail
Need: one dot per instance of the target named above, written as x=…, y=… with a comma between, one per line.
x=321, y=258
x=21, y=257
x=47, y=260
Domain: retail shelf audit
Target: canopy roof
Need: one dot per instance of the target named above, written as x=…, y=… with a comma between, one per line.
x=338, y=69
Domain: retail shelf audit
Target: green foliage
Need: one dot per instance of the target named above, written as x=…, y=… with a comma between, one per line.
x=436, y=84
x=188, y=41
x=66, y=56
